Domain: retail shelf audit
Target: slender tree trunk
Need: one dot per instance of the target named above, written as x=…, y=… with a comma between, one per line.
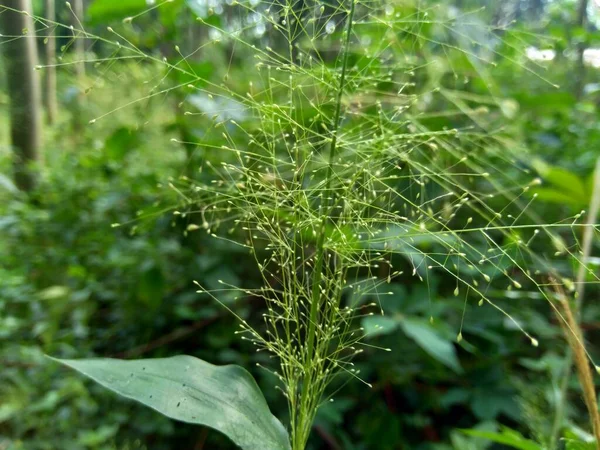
x=20, y=56
x=77, y=12
x=50, y=81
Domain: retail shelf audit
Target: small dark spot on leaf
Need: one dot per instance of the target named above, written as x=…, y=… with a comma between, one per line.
x=150, y=396
x=178, y=403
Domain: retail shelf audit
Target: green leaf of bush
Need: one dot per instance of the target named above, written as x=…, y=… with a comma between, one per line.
x=507, y=437
x=429, y=340
x=378, y=325
x=102, y=11
x=567, y=181
x=558, y=196
x=578, y=445
x=188, y=389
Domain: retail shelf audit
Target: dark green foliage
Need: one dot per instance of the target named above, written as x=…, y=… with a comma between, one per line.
x=95, y=264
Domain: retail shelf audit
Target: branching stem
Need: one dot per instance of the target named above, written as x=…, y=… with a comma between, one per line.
x=320, y=250
x=308, y=402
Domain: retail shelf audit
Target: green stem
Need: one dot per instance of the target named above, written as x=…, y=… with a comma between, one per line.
x=320, y=251
x=307, y=405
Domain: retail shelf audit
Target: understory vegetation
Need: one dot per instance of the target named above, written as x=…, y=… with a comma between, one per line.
x=386, y=212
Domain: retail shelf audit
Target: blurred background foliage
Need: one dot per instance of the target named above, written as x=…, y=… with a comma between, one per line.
x=72, y=285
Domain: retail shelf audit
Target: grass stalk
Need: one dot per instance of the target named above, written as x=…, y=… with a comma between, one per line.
x=574, y=338
x=587, y=240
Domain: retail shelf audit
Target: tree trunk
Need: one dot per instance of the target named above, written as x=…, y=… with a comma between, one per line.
x=50, y=81
x=77, y=10
x=20, y=53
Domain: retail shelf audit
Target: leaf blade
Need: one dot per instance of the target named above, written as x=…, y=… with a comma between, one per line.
x=571, y=444
x=188, y=389
x=506, y=436
x=432, y=343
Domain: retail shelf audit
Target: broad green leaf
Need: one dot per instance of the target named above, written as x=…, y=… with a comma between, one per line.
x=102, y=11
x=589, y=184
x=558, y=196
x=121, y=142
x=570, y=444
x=429, y=340
x=199, y=73
x=547, y=103
x=188, y=389
x=569, y=182
x=507, y=437
x=169, y=12
x=377, y=325
x=490, y=402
